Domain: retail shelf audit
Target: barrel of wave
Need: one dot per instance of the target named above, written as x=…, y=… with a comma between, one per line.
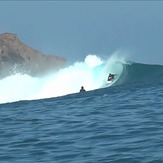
x=102, y=71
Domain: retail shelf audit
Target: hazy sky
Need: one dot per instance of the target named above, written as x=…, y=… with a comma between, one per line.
x=73, y=29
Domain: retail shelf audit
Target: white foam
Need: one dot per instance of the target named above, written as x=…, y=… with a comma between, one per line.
x=65, y=81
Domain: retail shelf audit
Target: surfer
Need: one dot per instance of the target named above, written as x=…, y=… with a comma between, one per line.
x=82, y=89
x=111, y=76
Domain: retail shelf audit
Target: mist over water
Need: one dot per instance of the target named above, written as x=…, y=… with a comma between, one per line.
x=91, y=73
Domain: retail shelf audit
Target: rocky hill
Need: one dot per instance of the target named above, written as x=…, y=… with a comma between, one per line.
x=16, y=57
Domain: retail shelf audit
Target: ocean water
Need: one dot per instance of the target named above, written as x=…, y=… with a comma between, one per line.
x=47, y=120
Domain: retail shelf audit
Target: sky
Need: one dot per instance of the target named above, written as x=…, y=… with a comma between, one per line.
x=74, y=29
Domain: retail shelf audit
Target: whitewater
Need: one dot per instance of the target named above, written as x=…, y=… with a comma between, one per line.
x=92, y=73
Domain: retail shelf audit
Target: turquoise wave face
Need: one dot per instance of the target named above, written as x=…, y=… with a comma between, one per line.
x=102, y=71
x=144, y=73
x=128, y=73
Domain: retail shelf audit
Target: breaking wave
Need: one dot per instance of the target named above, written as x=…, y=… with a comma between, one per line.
x=92, y=73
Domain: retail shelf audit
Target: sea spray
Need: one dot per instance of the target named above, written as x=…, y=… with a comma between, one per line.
x=91, y=73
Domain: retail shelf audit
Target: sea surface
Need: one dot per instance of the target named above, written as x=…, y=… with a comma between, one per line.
x=120, y=123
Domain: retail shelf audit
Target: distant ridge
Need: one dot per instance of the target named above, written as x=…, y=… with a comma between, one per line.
x=16, y=57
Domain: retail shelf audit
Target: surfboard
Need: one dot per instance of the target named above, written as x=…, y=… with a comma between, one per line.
x=109, y=82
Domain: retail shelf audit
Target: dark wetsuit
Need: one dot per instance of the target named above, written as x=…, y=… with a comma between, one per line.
x=82, y=89
x=110, y=77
